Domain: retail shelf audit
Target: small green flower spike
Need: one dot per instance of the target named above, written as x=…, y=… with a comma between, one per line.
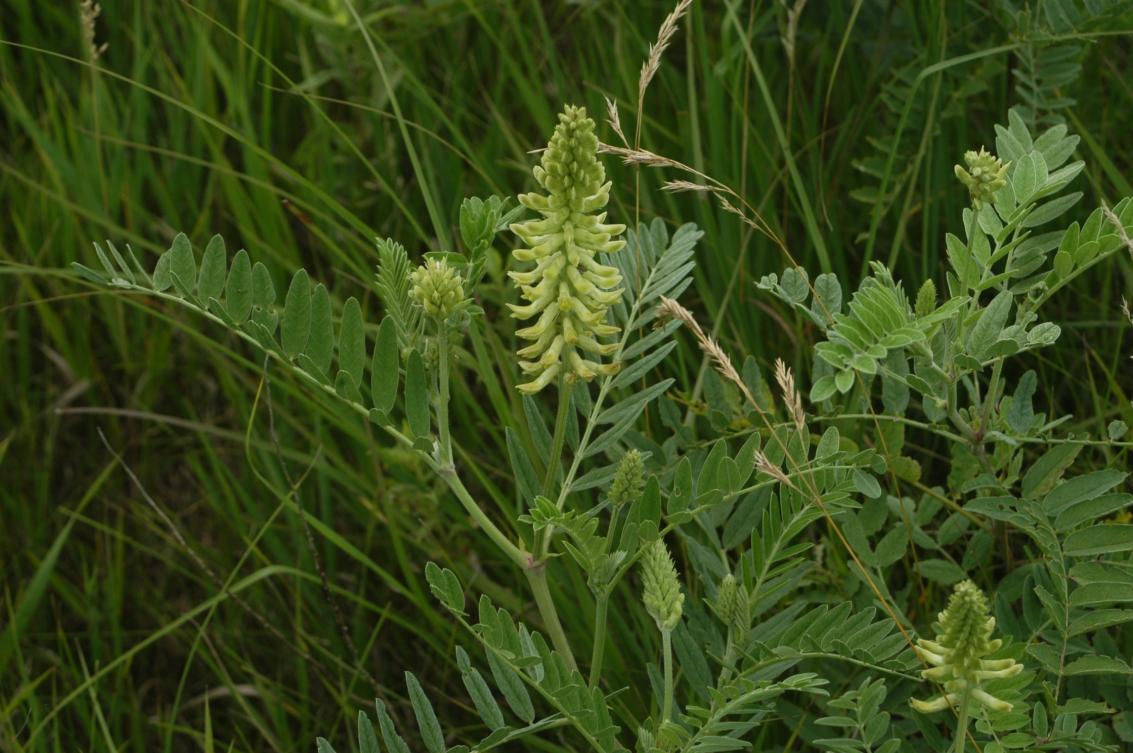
x=629, y=480
x=663, y=598
x=957, y=654
x=438, y=288
x=733, y=605
x=568, y=289
x=985, y=175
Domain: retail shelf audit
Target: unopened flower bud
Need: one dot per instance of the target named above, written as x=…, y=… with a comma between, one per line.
x=985, y=175
x=438, y=288
x=926, y=299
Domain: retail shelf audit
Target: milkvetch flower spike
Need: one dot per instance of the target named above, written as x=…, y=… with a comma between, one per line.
x=663, y=598
x=568, y=289
x=957, y=654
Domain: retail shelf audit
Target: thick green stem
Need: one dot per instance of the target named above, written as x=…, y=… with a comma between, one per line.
x=961, y=725
x=667, y=649
x=514, y=553
x=537, y=577
x=554, y=460
x=599, y=650
x=729, y=659
x=443, y=430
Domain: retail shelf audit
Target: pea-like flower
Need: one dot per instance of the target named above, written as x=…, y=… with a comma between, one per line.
x=568, y=290
x=438, y=288
x=957, y=654
x=985, y=175
x=663, y=598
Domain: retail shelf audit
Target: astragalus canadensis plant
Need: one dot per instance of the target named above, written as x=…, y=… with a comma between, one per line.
x=714, y=527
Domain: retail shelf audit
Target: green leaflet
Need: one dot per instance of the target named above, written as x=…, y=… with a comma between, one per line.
x=416, y=395
x=295, y=326
x=384, y=368
x=1103, y=539
x=394, y=742
x=479, y=691
x=427, y=722
x=182, y=265
x=320, y=343
x=214, y=263
x=238, y=288
x=352, y=341
x=445, y=586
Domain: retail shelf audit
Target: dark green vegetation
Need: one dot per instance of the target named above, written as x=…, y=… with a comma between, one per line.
x=281, y=127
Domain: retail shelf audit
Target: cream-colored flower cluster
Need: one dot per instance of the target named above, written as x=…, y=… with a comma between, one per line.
x=568, y=289
x=957, y=654
x=985, y=175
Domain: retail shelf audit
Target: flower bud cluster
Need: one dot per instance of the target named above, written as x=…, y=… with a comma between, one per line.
x=437, y=288
x=985, y=175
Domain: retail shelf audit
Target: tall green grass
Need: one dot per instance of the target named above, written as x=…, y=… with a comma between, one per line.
x=185, y=610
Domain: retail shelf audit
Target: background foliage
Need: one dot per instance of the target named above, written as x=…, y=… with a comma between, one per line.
x=280, y=126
